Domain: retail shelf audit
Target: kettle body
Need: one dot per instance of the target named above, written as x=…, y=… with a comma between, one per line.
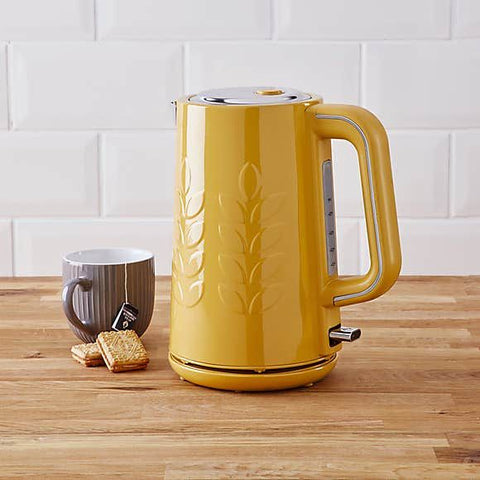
x=256, y=295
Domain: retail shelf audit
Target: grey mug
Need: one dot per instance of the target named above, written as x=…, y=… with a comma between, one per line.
x=97, y=282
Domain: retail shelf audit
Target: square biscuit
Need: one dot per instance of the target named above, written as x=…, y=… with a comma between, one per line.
x=122, y=351
x=87, y=354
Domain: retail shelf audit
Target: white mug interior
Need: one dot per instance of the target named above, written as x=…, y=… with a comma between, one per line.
x=108, y=256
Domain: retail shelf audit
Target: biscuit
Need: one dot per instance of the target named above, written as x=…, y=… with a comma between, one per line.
x=122, y=351
x=87, y=354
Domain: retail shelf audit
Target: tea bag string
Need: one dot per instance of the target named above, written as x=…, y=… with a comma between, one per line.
x=125, y=282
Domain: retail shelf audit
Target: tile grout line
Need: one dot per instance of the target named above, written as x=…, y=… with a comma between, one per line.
x=452, y=19
x=12, y=246
x=95, y=25
x=402, y=130
x=101, y=177
x=153, y=218
x=361, y=75
x=95, y=130
x=93, y=218
x=450, y=176
x=185, y=61
x=303, y=42
x=273, y=13
x=359, y=250
x=8, y=86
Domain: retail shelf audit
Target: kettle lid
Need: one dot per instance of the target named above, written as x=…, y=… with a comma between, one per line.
x=249, y=96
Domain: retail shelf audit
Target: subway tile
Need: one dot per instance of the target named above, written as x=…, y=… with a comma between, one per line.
x=138, y=173
x=466, y=174
x=424, y=84
x=46, y=20
x=435, y=247
x=347, y=184
x=362, y=20
x=6, y=260
x=48, y=174
x=440, y=247
x=420, y=174
x=348, y=246
x=3, y=87
x=95, y=85
x=41, y=244
x=466, y=18
x=300, y=66
x=183, y=19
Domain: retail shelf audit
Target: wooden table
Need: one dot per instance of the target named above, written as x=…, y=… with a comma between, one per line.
x=403, y=402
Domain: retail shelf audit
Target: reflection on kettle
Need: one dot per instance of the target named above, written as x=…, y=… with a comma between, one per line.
x=255, y=287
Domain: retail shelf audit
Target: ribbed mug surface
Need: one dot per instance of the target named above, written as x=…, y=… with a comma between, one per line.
x=97, y=306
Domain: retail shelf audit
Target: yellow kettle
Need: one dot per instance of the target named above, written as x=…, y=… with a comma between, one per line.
x=256, y=295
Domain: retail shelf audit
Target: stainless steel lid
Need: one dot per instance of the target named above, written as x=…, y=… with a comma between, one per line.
x=249, y=96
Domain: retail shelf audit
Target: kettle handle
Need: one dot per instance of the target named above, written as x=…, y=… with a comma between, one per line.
x=361, y=128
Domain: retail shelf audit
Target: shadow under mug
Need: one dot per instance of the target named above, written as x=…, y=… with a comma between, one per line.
x=97, y=282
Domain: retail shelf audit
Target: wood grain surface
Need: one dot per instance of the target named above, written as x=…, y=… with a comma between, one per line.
x=403, y=402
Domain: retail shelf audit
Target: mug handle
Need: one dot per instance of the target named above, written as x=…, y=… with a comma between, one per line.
x=67, y=301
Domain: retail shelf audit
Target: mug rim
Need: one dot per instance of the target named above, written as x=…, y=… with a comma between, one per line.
x=131, y=255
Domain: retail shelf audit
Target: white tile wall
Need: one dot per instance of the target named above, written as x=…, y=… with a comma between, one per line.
x=348, y=246
x=40, y=244
x=94, y=85
x=466, y=18
x=48, y=174
x=303, y=66
x=346, y=175
x=86, y=126
x=440, y=247
x=361, y=20
x=3, y=87
x=420, y=172
x=6, y=262
x=183, y=19
x=466, y=174
x=46, y=20
x=138, y=173
x=424, y=84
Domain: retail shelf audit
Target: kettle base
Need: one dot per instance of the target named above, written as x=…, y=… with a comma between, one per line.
x=279, y=379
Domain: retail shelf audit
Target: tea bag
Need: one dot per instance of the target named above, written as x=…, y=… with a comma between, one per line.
x=127, y=313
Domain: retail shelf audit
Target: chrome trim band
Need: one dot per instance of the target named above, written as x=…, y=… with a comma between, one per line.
x=265, y=370
x=248, y=96
x=357, y=127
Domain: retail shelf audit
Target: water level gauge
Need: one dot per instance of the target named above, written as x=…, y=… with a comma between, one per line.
x=329, y=209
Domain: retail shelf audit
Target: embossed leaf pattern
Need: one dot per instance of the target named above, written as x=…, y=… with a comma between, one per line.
x=188, y=254
x=232, y=268
x=233, y=299
x=194, y=234
x=266, y=238
x=270, y=206
x=231, y=236
x=185, y=176
x=194, y=205
x=265, y=299
x=230, y=209
x=249, y=181
x=253, y=237
x=267, y=269
x=190, y=266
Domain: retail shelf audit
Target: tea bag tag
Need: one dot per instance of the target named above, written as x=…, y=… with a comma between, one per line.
x=127, y=313
x=125, y=318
